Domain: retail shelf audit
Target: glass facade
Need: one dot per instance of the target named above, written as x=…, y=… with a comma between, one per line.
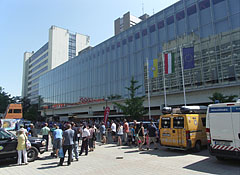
x=210, y=26
x=72, y=46
x=38, y=53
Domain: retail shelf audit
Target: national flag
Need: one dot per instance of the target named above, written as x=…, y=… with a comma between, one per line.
x=106, y=114
x=153, y=68
x=188, y=57
x=169, y=63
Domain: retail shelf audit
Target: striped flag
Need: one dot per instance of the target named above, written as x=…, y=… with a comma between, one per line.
x=153, y=68
x=169, y=63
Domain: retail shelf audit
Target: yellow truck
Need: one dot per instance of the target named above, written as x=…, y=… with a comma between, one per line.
x=183, y=129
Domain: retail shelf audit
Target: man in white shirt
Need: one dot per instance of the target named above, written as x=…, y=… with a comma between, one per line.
x=85, y=136
x=114, y=130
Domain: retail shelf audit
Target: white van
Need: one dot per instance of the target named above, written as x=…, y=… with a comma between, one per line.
x=223, y=130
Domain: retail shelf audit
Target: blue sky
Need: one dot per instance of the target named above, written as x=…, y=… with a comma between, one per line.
x=24, y=27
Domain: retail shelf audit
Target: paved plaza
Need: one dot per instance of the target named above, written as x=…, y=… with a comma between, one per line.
x=114, y=160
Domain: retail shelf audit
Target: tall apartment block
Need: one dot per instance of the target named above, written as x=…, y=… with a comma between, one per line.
x=127, y=21
x=61, y=47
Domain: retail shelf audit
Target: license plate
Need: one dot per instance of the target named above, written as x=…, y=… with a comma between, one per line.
x=224, y=143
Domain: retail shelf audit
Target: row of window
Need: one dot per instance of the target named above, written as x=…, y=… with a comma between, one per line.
x=38, y=66
x=40, y=59
x=161, y=24
x=39, y=52
x=33, y=81
x=38, y=72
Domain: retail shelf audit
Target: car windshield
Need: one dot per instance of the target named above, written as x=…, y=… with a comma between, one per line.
x=10, y=134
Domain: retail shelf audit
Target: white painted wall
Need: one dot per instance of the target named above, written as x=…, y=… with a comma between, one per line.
x=82, y=42
x=57, y=46
x=26, y=56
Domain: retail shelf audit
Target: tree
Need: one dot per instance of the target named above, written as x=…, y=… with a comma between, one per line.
x=31, y=113
x=133, y=106
x=5, y=100
x=221, y=98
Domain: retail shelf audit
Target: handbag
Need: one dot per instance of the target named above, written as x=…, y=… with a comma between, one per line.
x=27, y=143
x=60, y=153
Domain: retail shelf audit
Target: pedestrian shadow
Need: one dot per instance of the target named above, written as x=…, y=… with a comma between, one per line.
x=217, y=167
x=45, y=158
x=51, y=163
x=48, y=167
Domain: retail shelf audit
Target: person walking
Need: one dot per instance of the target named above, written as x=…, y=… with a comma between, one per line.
x=21, y=147
x=120, y=134
x=67, y=141
x=45, y=131
x=141, y=136
x=103, y=133
x=57, y=139
x=152, y=133
x=85, y=136
x=113, y=131
x=91, y=137
x=125, y=131
x=75, y=141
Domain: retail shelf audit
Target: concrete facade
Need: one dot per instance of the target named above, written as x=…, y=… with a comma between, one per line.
x=61, y=47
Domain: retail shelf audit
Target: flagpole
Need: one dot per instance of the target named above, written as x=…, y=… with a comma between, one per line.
x=164, y=86
x=184, y=93
x=149, y=107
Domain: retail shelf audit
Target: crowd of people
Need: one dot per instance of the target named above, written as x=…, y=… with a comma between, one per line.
x=70, y=136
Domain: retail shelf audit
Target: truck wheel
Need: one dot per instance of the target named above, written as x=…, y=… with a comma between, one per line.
x=220, y=158
x=32, y=154
x=197, y=147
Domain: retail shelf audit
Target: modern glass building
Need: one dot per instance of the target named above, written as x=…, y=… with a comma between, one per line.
x=212, y=27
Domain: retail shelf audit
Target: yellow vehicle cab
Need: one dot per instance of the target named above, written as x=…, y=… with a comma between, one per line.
x=183, y=129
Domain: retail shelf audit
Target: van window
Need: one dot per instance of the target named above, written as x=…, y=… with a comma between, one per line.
x=165, y=122
x=178, y=122
x=17, y=111
x=203, y=121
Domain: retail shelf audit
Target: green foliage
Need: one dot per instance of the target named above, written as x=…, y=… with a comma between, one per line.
x=133, y=106
x=221, y=98
x=31, y=113
x=6, y=99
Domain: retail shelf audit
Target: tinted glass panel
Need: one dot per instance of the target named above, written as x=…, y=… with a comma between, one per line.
x=113, y=47
x=180, y=15
x=217, y=1
x=204, y=4
x=144, y=32
x=152, y=28
x=124, y=41
x=160, y=24
x=191, y=10
x=170, y=20
x=130, y=38
x=17, y=111
x=137, y=35
x=178, y=122
x=118, y=44
x=165, y=122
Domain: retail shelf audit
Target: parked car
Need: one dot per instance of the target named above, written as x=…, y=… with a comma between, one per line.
x=8, y=145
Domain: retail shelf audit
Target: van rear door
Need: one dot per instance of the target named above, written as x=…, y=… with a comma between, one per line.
x=178, y=131
x=165, y=131
x=236, y=125
x=221, y=126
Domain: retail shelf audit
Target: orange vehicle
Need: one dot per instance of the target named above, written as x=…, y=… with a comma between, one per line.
x=14, y=111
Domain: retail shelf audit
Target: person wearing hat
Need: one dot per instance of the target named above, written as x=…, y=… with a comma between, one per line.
x=22, y=129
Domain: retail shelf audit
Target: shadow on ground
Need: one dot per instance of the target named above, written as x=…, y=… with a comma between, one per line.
x=212, y=166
